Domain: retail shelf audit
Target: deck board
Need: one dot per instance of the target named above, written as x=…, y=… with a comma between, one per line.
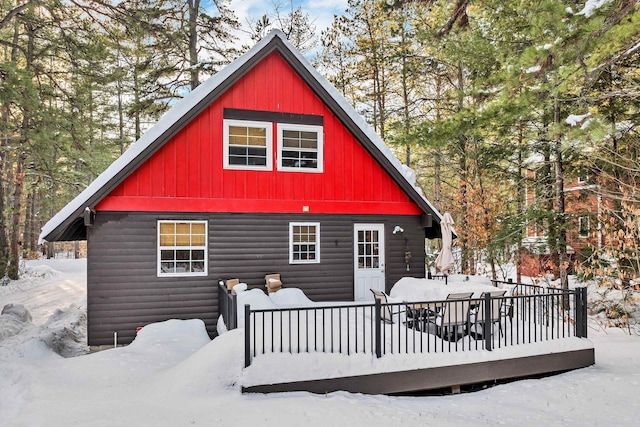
x=440, y=377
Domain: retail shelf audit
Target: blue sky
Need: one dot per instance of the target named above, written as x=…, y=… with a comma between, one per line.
x=320, y=11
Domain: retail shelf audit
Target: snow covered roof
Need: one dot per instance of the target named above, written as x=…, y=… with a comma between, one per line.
x=68, y=223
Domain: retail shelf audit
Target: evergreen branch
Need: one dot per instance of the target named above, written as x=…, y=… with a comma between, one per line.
x=14, y=46
x=459, y=15
x=16, y=10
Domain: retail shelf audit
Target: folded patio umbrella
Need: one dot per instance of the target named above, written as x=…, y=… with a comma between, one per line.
x=444, y=261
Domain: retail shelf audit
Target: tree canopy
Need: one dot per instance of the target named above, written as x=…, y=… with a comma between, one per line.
x=495, y=104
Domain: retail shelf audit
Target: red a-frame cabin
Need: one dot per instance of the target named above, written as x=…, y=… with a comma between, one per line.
x=264, y=168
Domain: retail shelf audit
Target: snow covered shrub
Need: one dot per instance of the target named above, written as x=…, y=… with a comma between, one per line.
x=614, y=306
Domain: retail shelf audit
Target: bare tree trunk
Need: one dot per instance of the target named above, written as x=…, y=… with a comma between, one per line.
x=33, y=242
x=21, y=156
x=468, y=266
x=6, y=171
x=120, y=107
x=136, y=101
x=26, y=235
x=560, y=209
x=15, y=243
x=405, y=99
x=520, y=203
x=4, y=252
x=194, y=6
x=437, y=157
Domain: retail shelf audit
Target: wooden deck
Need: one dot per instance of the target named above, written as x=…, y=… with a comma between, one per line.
x=452, y=377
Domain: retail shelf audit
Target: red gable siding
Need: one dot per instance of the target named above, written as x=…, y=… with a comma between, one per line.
x=187, y=174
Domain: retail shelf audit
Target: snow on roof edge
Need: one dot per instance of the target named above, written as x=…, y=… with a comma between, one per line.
x=79, y=203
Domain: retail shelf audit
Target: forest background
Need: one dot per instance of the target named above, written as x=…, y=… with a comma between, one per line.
x=495, y=104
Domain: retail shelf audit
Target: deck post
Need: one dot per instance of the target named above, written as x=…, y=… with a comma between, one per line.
x=233, y=311
x=578, y=313
x=581, y=312
x=583, y=291
x=247, y=335
x=378, y=327
x=486, y=326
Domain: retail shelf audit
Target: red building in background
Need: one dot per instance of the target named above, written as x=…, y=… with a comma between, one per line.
x=583, y=206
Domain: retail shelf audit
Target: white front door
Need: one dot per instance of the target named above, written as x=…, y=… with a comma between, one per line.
x=368, y=245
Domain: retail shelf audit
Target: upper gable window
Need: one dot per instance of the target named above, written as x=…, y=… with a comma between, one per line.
x=247, y=145
x=300, y=148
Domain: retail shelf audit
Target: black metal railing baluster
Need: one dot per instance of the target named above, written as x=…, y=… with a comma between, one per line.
x=247, y=336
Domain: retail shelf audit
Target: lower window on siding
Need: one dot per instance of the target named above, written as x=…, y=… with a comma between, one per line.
x=182, y=248
x=304, y=242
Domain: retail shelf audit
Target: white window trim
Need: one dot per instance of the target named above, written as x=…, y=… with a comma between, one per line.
x=581, y=219
x=160, y=273
x=304, y=128
x=248, y=123
x=317, y=243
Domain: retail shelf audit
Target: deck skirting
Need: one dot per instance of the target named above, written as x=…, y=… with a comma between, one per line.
x=440, y=377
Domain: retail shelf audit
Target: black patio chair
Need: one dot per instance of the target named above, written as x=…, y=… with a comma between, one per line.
x=478, y=314
x=386, y=313
x=452, y=319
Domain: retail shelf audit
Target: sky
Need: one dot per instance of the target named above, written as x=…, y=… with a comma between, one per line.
x=321, y=12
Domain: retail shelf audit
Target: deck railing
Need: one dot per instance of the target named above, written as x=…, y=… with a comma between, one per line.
x=227, y=306
x=528, y=315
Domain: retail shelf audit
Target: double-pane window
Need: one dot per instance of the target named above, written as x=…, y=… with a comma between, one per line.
x=182, y=248
x=300, y=148
x=247, y=145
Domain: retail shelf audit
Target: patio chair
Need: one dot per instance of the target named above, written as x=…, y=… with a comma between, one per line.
x=386, y=313
x=506, y=311
x=452, y=319
x=272, y=283
x=231, y=283
x=478, y=314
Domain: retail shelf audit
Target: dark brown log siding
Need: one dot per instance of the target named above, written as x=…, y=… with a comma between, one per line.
x=124, y=291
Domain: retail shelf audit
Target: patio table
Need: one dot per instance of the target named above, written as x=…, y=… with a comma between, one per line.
x=410, y=289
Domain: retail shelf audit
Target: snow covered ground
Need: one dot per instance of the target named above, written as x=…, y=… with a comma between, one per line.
x=173, y=375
